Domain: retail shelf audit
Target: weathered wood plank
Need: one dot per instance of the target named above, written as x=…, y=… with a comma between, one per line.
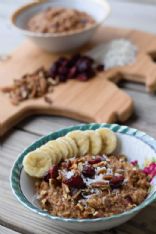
x=144, y=117
x=42, y=125
x=4, y=230
x=11, y=211
x=129, y=85
x=15, y=216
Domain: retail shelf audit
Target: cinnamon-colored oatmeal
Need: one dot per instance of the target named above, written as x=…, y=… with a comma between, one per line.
x=60, y=20
x=92, y=186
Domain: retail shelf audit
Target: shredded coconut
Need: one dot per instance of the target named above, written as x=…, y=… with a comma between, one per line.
x=118, y=52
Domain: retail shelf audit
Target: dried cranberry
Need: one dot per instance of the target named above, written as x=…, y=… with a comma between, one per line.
x=134, y=163
x=63, y=70
x=53, y=172
x=88, y=171
x=82, y=65
x=75, y=181
x=78, y=66
x=72, y=72
x=146, y=170
x=82, y=77
x=150, y=170
x=94, y=161
x=116, y=182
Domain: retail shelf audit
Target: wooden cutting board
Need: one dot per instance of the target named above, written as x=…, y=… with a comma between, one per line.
x=98, y=100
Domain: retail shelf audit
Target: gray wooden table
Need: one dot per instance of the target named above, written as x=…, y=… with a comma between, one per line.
x=14, y=218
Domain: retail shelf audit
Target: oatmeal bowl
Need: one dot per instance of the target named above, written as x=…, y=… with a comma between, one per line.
x=60, y=25
x=88, y=177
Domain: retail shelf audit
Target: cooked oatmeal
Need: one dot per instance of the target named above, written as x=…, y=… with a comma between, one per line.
x=92, y=186
x=60, y=20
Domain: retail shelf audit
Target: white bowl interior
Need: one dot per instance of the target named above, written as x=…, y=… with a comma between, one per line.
x=99, y=9
x=133, y=148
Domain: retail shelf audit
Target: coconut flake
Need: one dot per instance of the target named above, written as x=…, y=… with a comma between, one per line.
x=118, y=52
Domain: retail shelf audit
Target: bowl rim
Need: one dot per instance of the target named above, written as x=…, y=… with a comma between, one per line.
x=21, y=9
x=17, y=168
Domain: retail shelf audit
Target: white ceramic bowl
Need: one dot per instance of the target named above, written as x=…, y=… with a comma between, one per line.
x=99, y=9
x=135, y=144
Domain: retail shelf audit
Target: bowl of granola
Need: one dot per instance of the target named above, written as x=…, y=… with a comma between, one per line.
x=61, y=25
x=88, y=177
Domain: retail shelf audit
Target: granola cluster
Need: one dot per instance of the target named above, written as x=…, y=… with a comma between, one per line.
x=92, y=186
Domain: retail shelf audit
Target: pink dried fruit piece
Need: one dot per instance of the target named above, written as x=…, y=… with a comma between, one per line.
x=88, y=171
x=75, y=181
x=134, y=163
x=150, y=170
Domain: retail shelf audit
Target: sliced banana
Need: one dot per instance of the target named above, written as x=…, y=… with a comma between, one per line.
x=95, y=140
x=63, y=148
x=73, y=145
x=37, y=163
x=81, y=140
x=68, y=145
x=50, y=151
x=55, y=151
x=109, y=140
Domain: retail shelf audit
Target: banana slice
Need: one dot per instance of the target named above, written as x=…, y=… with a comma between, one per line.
x=63, y=148
x=82, y=141
x=109, y=140
x=95, y=140
x=37, y=163
x=73, y=145
x=55, y=151
x=55, y=158
x=68, y=145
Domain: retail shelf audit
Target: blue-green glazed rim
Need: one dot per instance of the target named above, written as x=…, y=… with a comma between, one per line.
x=16, y=170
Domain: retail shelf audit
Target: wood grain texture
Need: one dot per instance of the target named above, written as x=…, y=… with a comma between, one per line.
x=97, y=100
x=4, y=230
x=12, y=213
x=75, y=99
x=144, y=117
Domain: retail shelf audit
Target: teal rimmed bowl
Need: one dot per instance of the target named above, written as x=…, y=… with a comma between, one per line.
x=136, y=145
